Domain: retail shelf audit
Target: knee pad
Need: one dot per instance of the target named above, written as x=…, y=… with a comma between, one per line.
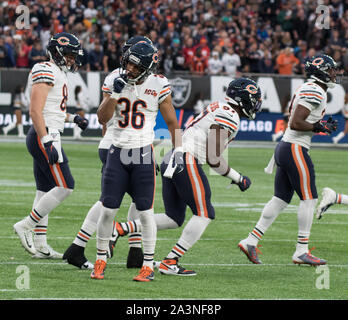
x=274, y=205
x=61, y=193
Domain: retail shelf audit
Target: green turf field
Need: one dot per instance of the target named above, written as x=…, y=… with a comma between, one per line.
x=223, y=271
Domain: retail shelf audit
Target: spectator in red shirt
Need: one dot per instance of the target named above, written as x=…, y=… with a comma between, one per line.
x=199, y=63
x=204, y=48
x=22, y=52
x=188, y=51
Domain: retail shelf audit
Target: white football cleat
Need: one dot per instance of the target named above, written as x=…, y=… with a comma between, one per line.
x=26, y=236
x=329, y=198
x=46, y=252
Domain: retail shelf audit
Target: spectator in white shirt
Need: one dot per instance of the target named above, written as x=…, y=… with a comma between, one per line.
x=90, y=12
x=231, y=61
x=215, y=65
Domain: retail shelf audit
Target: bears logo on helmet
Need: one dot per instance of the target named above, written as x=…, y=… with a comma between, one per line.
x=246, y=94
x=324, y=69
x=63, y=45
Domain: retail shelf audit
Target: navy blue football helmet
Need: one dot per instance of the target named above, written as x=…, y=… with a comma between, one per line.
x=131, y=41
x=62, y=45
x=246, y=94
x=144, y=56
x=324, y=69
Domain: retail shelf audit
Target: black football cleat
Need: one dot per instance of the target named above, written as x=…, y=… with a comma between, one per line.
x=75, y=255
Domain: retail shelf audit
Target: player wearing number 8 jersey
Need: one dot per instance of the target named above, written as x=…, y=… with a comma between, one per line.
x=47, y=83
x=137, y=96
x=295, y=170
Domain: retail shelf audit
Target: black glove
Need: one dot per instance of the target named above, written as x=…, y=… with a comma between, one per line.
x=327, y=127
x=81, y=122
x=178, y=160
x=157, y=169
x=119, y=83
x=51, y=152
x=243, y=183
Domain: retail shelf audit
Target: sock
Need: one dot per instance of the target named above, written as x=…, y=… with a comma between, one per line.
x=9, y=127
x=49, y=201
x=134, y=238
x=269, y=213
x=339, y=137
x=40, y=230
x=130, y=226
x=40, y=233
x=162, y=222
x=165, y=222
x=77, y=131
x=305, y=218
x=89, y=225
x=341, y=198
x=190, y=235
x=149, y=232
x=20, y=129
x=104, y=231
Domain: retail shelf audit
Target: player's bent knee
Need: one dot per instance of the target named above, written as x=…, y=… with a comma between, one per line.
x=61, y=193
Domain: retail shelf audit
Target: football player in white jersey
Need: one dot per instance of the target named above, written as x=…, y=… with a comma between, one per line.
x=138, y=95
x=47, y=83
x=74, y=255
x=295, y=170
x=203, y=142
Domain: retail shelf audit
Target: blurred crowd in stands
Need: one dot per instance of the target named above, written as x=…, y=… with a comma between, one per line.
x=200, y=37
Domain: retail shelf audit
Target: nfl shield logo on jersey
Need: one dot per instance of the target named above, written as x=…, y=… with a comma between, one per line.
x=181, y=90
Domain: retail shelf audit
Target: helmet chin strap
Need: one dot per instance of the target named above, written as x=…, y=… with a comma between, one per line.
x=138, y=78
x=249, y=116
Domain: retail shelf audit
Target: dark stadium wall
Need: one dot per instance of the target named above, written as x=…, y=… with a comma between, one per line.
x=187, y=90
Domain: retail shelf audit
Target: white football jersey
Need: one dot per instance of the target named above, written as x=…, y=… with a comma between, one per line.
x=313, y=97
x=345, y=111
x=196, y=134
x=136, y=111
x=54, y=112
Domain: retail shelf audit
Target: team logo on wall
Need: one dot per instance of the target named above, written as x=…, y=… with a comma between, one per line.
x=181, y=91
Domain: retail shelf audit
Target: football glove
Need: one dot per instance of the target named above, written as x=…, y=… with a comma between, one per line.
x=51, y=152
x=326, y=127
x=243, y=183
x=81, y=122
x=119, y=83
x=178, y=161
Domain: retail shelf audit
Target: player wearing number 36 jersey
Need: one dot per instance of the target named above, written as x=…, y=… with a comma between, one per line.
x=49, y=93
x=137, y=96
x=137, y=109
x=204, y=141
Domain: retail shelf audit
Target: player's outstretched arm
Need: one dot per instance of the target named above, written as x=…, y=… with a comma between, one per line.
x=214, y=149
